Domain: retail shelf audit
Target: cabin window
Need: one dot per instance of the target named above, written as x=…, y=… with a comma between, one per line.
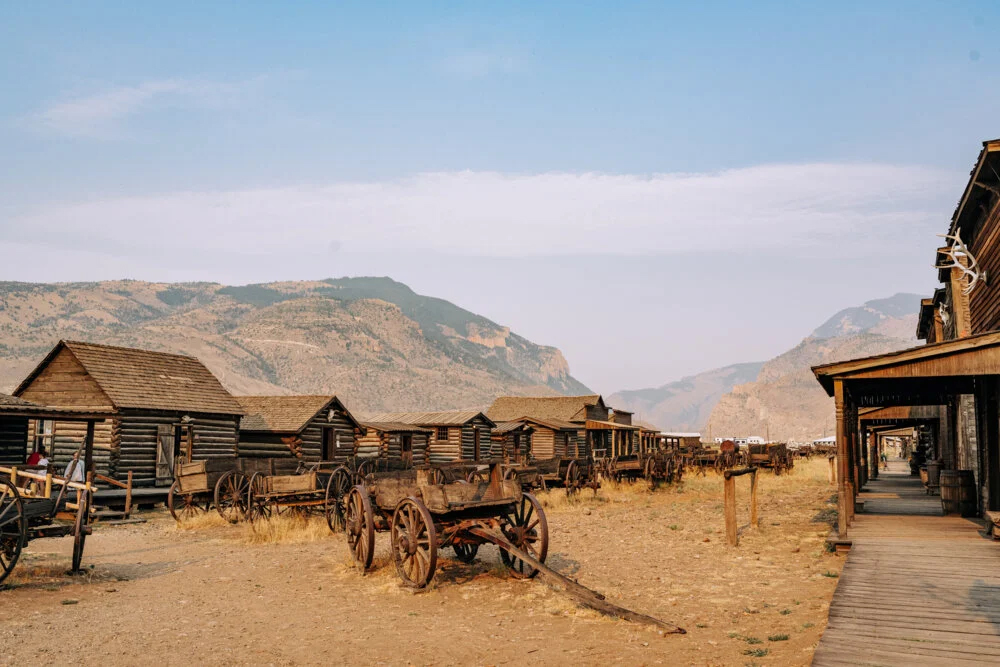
x=442, y=433
x=43, y=435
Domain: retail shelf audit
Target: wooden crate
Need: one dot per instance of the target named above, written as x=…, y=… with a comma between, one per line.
x=193, y=483
x=193, y=468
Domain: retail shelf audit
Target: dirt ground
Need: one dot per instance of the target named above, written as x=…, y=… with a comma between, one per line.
x=224, y=595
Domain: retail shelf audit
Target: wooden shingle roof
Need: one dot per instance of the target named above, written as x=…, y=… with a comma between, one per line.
x=18, y=407
x=561, y=408
x=450, y=418
x=395, y=427
x=285, y=414
x=144, y=379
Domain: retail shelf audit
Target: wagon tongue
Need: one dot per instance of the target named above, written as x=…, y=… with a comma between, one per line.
x=585, y=596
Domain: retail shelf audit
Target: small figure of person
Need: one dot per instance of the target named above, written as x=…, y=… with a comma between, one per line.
x=43, y=460
x=885, y=461
x=36, y=456
x=74, y=469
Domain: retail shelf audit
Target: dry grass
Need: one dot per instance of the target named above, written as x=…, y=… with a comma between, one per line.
x=286, y=529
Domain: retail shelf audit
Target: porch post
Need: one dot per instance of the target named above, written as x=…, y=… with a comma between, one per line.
x=88, y=447
x=838, y=395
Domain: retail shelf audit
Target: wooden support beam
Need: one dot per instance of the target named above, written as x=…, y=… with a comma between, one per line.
x=753, y=500
x=842, y=460
x=730, y=508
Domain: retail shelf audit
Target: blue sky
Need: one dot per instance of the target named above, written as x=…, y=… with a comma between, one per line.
x=680, y=161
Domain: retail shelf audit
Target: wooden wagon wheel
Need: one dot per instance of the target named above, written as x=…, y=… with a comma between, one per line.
x=365, y=468
x=414, y=542
x=510, y=475
x=527, y=529
x=465, y=552
x=337, y=488
x=183, y=506
x=258, y=506
x=650, y=473
x=81, y=529
x=231, y=496
x=572, y=481
x=13, y=529
x=360, y=522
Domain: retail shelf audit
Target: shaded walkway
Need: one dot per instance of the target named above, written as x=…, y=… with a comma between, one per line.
x=918, y=588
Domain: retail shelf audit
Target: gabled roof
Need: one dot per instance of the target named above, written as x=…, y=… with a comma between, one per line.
x=450, y=418
x=286, y=414
x=508, y=427
x=980, y=356
x=144, y=379
x=554, y=424
x=395, y=427
x=563, y=408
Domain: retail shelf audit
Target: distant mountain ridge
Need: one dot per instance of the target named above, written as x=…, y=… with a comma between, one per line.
x=686, y=404
x=779, y=397
x=373, y=341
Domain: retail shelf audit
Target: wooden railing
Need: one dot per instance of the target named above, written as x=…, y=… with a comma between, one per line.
x=44, y=484
x=732, y=535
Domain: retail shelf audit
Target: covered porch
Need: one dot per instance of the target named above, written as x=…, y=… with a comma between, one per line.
x=960, y=379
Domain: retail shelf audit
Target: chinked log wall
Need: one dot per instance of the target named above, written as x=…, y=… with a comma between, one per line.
x=135, y=449
x=270, y=445
x=68, y=436
x=446, y=451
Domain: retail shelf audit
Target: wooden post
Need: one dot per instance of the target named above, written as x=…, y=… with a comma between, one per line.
x=753, y=499
x=128, y=495
x=833, y=469
x=48, y=485
x=842, y=471
x=730, y=506
x=88, y=447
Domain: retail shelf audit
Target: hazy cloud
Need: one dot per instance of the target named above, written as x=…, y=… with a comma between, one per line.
x=101, y=114
x=849, y=208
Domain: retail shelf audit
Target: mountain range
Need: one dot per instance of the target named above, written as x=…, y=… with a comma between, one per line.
x=373, y=341
x=779, y=398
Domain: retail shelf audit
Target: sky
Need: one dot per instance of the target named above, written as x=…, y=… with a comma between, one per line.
x=655, y=188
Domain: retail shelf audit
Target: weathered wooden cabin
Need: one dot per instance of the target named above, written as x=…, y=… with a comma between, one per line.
x=162, y=405
x=395, y=442
x=580, y=424
x=958, y=370
x=513, y=439
x=458, y=435
x=310, y=428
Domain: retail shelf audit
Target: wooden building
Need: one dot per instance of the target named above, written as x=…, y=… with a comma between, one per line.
x=513, y=439
x=957, y=372
x=395, y=442
x=16, y=415
x=583, y=425
x=458, y=435
x=311, y=428
x=163, y=406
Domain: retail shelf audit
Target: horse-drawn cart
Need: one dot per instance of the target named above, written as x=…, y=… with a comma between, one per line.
x=35, y=505
x=422, y=515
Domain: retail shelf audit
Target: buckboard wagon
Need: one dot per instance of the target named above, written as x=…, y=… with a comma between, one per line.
x=29, y=511
x=423, y=516
x=774, y=456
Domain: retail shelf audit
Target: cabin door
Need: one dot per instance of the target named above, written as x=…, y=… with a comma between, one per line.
x=166, y=444
x=475, y=444
x=406, y=449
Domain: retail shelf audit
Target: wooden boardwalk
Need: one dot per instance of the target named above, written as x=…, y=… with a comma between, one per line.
x=918, y=588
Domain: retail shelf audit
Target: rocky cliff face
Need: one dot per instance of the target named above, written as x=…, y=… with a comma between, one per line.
x=780, y=397
x=785, y=400
x=373, y=341
x=685, y=405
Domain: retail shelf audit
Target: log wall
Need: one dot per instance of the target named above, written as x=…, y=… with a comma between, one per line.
x=135, y=449
x=445, y=451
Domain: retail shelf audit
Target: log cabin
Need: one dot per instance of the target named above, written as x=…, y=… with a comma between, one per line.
x=310, y=428
x=163, y=406
x=457, y=435
x=957, y=370
x=513, y=439
x=16, y=414
x=581, y=425
x=395, y=442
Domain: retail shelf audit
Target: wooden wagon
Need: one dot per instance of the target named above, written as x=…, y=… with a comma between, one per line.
x=423, y=515
x=32, y=508
x=663, y=467
x=774, y=456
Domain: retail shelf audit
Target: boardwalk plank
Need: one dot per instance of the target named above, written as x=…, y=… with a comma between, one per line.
x=918, y=588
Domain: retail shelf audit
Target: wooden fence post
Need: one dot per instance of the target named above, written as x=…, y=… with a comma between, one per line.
x=128, y=495
x=730, y=503
x=753, y=499
x=833, y=470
